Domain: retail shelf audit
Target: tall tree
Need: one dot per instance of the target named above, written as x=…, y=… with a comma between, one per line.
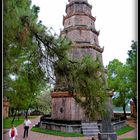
x=118, y=80
x=132, y=64
x=90, y=82
x=43, y=103
x=21, y=54
x=31, y=53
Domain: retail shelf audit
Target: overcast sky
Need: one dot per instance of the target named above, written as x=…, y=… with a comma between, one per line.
x=116, y=20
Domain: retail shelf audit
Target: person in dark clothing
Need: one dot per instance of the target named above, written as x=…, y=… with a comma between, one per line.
x=27, y=123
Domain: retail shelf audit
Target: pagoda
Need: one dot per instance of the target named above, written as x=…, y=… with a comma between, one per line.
x=67, y=115
x=79, y=27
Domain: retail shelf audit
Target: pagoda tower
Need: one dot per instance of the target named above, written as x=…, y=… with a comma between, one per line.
x=79, y=27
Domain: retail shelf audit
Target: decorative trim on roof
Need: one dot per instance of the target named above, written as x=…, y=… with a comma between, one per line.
x=78, y=14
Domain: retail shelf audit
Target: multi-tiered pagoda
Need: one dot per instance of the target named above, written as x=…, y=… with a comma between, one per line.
x=79, y=27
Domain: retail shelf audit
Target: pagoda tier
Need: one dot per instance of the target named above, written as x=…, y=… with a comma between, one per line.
x=79, y=27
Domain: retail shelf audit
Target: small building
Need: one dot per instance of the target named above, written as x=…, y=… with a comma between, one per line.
x=5, y=107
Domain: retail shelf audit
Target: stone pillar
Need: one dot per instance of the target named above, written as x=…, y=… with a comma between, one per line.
x=110, y=103
x=107, y=131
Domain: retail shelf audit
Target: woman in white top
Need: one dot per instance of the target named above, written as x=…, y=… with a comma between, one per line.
x=13, y=133
x=27, y=123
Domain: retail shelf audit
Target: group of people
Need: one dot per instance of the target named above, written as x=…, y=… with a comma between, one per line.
x=13, y=130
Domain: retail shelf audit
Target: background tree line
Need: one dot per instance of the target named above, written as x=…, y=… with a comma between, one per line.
x=123, y=79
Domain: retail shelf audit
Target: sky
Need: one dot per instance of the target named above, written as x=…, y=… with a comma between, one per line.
x=116, y=20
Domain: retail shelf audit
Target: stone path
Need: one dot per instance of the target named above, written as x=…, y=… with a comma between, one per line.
x=40, y=136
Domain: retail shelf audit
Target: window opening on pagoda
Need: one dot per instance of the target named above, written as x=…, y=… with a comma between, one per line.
x=61, y=110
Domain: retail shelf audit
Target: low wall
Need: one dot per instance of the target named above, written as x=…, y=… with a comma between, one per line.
x=73, y=126
x=119, y=124
x=116, y=125
x=61, y=127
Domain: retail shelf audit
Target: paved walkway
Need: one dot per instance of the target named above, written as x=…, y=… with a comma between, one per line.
x=130, y=134
x=40, y=136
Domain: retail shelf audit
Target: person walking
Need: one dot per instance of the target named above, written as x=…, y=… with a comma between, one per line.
x=27, y=123
x=13, y=133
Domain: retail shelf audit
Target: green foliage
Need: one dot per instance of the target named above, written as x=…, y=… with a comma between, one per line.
x=132, y=64
x=123, y=78
x=132, y=60
x=118, y=80
x=30, y=51
x=43, y=103
x=56, y=133
x=89, y=81
x=86, y=80
x=124, y=130
x=21, y=54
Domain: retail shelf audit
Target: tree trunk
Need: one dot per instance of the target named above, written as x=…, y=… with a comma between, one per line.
x=14, y=116
x=135, y=102
x=124, y=111
x=18, y=115
x=12, y=111
x=26, y=113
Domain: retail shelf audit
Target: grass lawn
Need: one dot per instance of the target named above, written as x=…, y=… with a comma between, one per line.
x=124, y=130
x=7, y=122
x=57, y=133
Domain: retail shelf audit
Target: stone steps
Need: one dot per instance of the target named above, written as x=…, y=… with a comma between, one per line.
x=90, y=129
